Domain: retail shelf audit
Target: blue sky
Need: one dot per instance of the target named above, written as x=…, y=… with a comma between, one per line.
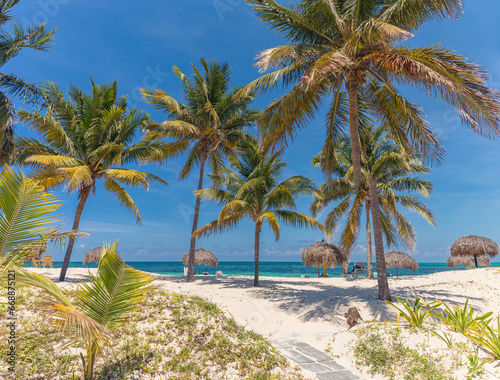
x=138, y=45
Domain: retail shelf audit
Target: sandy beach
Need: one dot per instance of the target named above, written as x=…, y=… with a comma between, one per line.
x=312, y=310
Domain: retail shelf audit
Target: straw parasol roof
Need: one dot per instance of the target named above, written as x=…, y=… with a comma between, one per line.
x=468, y=261
x=323, y=253
x=396, y=259
x=94, y=256
x=36, y=252
x=201, y=257
x=474, y=245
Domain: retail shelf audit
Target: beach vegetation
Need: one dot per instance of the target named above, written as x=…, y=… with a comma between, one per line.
x=384, y=351
x=153, y=342
x=415, y=313
x=207, y=127
x=488, y=337
x=476, y=367
x=254, y=190
x=397, y=179
x=28, y=219
x=83, y=139
x=14, y=38
x=102, y=305
x=461, y=319
x=339, y=52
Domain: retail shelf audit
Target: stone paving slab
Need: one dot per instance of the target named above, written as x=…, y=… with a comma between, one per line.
x=281, y=345
x=338, y=375
x=316, y=367
x=298, y=357
x=332, y=365
x=315, y=361
x=318, y=355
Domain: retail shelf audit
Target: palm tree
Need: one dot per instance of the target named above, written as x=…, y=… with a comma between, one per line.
x=27, y=219
x=394, y=174
x=253, y=190
x=356, y=45
x=208, y=127
x=86, y=138
x=11, y=43
x=103, y=304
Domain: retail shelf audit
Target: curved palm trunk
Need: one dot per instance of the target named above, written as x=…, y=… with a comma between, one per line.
x=369, y=261
x=192, y=246
x=352, y=89
x=384, y=293
x=258, y=227
x=84, y=195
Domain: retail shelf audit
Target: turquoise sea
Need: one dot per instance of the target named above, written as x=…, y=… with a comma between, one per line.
x=270, y=269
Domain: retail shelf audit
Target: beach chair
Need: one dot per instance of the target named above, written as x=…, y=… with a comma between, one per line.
x=357, y=269
x=47, y=261
x=36, y=262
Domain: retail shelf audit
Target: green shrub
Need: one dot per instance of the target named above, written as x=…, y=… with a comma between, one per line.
x=487, y=337
x=384, y=352
x=461, y=320
x=415, y=313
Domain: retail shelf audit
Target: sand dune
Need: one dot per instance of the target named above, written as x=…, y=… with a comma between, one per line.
x=312, y=310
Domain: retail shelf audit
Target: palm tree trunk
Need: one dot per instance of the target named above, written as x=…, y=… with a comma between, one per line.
x=258, y=227
x=192, y=247
x=384, y=293
x=352, y=89
x=83, y=195
x=369, y=261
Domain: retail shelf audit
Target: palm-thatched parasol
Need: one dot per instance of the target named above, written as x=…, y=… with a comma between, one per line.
x=36, y=252
x=322, y=254
x=474, y=246
x=468, y=261
x=396, y=259
x=201, y=257
x=94, y=256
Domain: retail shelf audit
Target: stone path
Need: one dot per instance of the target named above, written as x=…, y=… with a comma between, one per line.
x=311, y=359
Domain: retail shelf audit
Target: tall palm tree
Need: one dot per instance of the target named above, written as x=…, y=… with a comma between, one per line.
x=253, y=191
x=356, y=45
x=396, y=177
x=11, y=43
x=84, y=139
x=208, y=126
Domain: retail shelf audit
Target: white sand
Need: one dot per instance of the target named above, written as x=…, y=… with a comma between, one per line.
x=312, y=310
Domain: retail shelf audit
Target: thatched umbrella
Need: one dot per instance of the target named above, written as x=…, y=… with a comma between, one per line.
x=468, y=261
x=201, y=257
x=322, y=254
x=396, y=259
x=36, y=252
x=94, y=256
x=474, y=246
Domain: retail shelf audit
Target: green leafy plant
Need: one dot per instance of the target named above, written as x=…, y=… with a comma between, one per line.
x=415, y=313
x=102, y=305
x=475, y=367
x=461, y=320
x=27, y=218
x=384, y=351
x=487, y=337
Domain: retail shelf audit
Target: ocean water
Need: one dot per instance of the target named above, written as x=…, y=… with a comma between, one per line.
x=266, y=269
